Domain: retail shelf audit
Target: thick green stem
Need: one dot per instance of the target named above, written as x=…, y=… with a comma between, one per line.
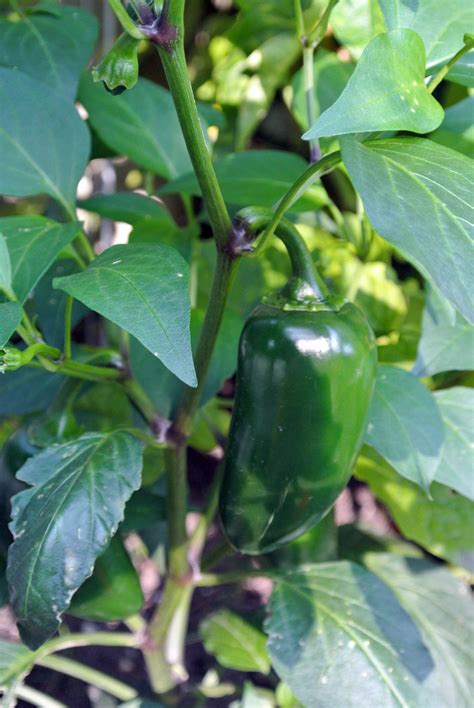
x=67, y=326
x=177, y=505
x=308, y=72
x=174, y=64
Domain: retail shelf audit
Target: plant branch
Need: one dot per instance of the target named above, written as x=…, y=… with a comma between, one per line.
x=28, y=694
x=237, y=576
x=437, y=79
x=110, y=685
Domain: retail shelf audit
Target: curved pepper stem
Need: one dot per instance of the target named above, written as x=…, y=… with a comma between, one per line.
x=250, y=222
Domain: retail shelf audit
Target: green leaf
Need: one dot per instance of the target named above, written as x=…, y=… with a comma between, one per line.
x=103, y=407
x=5, y=266
x=338, y=637
x=10, y=317
x=457, y=129
x=143, y=288
x=113, y=591
x=26, y=391
x=64, y=522
x=405, y=426
x=258, y=177
x=50, y=305
x=417, y=195
x=52, y=49
x=234, y=642
x=49, y=159
x=34, y=242
x=163, y=387
x=442, y=608
x=385, y=92
x=129, y=207
x=457, y=463
x=441, y=25
x=255, y=697
x=442, y=524
x=331, y=75
x=141, y=123
x=356, y=22
x=447, y=339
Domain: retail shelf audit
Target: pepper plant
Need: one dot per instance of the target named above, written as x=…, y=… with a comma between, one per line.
x=117, y=359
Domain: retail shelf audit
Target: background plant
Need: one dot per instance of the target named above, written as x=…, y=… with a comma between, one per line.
x=99, y=414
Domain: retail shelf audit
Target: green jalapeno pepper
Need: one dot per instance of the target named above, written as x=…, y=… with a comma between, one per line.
x=305, y=376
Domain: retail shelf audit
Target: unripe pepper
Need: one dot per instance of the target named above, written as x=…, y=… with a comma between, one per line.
x=305, y=376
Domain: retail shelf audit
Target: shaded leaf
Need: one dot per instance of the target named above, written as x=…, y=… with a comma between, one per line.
x=234, y=642
x=129, y=207
x=457, y=461
x=441, y=607
x=258, y=177
x=332, y=616
x=447, y=339
x=10, y=317
x=164, y=388
x=441, y=25
x=356, y=22
x=385, y=92
x=15, y=659
x=405, y=426
x=457, y=129
x=64, y=521
x=463, y=71
x=33, y=242
x=141, y=123
x=49, y=159
x=143, y=288
x=27, y=390
x=418, y=196
x=51, y=48
x=441, y=524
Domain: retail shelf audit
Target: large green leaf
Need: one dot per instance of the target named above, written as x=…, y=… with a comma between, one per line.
x=356, y=22
x=447, y=339
x=129, y=207
x=51, y=48
x=457, y=129
x=258, y=177
x=441, y=607
x=49, y=159
x=234, y=642
x=34, y=242
x=27, y=390
x=163, y=387
x=442, y=524
x=418, y=196
x=141, y=123
x=143, y=288
x=338, y=637
x=441, y=25
x=331, y=75
x=64, y=522
x=457, y=462
x=10, y=317
x=5, y=266
x=385, y=92
x=405, y=426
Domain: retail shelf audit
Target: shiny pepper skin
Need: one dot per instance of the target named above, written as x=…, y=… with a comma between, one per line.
x=304, y=383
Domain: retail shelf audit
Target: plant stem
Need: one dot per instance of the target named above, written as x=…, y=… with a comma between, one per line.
x=110, y=685
x=174, y=64
x=28, y=694
x=177, y=505
x=67, y=327
x=436, y=80
x=314, y=172
x=236, y=576
x=308, y=73
x=88, y=639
